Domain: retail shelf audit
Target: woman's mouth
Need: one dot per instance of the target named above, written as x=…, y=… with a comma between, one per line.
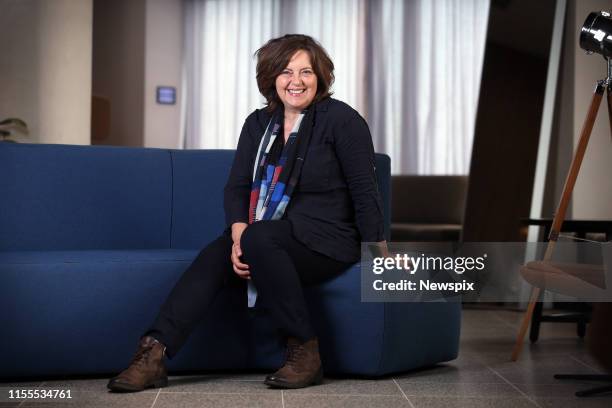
x=296, y=92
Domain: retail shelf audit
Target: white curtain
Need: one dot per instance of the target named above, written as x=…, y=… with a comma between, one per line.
x=411, y=68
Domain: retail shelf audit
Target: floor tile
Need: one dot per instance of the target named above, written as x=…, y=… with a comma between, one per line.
x=351, y=387
x=95, y=385
x=488, y=342
x=562, y=390
x=234, y=376
x=6, y=388
x=592, y=402
x=432, y=402
x=458, y=390
x=585, y=358
x=466, y=369
x=20, y=384
x=201, y=400
x=216, y=384
x=540, y=370
x=91, y=399
x=344, y=401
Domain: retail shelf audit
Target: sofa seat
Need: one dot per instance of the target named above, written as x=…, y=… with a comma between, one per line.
x=83, y=311
x=356, y=337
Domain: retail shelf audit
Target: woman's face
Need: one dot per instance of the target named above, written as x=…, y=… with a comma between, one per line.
x=297, y=84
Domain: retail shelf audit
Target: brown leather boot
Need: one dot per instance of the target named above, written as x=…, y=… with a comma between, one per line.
x=146, y=370
x=302, y=366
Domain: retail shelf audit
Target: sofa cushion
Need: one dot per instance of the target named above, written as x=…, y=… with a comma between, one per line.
x=57, y=197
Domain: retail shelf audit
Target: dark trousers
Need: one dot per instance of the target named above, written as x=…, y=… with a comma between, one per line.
x=279, y=265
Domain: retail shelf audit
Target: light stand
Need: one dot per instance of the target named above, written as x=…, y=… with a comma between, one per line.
x=587, y=127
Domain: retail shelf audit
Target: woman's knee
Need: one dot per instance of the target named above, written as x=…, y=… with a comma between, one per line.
x=261, y=236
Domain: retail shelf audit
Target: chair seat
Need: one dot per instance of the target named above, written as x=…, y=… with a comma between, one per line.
x=571, y=279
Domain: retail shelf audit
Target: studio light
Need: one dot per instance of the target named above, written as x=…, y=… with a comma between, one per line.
x=596, y=34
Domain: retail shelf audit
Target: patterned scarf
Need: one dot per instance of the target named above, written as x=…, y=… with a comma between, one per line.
x=276, y=172
x=277, y=167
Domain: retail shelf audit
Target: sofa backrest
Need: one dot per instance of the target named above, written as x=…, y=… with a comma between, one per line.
x=198, y=215
x=383, y=176
x=199, y=178
x=60, y=197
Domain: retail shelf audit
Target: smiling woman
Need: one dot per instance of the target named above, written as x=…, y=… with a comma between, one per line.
x=297, y=208
x=293, y=61
x=296, y=86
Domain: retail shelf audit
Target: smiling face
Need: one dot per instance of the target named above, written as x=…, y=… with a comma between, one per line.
x=296, y=86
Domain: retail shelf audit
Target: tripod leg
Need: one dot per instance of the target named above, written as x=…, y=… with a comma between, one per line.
x=570, y=181
x=594, y=391
x=609, y=97
x=518, y=346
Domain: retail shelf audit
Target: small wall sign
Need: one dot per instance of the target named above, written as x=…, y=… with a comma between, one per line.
x=166, y=95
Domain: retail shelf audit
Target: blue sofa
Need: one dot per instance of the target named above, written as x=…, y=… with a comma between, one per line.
x=93, y=238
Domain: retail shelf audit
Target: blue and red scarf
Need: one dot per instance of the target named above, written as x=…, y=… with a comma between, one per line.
x=276, y=172
x=278, y=166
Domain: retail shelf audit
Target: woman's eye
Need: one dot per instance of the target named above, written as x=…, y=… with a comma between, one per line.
x=286, y=72
x=307, y=72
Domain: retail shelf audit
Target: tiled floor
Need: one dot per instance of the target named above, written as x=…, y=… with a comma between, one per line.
x=482, y=376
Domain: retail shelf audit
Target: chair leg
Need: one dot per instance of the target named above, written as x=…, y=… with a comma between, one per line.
x=536, y=318
x=581, y=329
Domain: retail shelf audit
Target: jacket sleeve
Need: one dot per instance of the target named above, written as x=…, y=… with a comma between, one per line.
x=236, y=195
x=355, y=152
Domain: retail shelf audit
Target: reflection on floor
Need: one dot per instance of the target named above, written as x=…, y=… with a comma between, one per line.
x=482, y=376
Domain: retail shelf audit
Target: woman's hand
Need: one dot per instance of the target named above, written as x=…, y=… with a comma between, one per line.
x=380, y=249
x=383, y=249
x=240, y=268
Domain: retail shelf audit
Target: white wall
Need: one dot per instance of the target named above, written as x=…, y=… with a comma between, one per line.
x=592, y=197
x=45, y=68
x=163, y=53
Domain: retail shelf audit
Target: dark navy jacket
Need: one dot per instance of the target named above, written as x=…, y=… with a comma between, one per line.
x=336, y=203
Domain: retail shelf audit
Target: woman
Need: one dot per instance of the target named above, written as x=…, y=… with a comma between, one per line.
x=300, y=198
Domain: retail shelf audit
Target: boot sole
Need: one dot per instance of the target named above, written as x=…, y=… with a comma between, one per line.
x=317, y=380
x=124, y=387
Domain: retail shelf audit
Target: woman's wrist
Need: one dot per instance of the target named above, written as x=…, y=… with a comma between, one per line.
x=237, y=230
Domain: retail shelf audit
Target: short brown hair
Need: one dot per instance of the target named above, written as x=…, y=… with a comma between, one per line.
x=274, y=56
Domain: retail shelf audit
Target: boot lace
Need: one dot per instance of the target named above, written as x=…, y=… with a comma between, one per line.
x=294, y=353
x=142, y=356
